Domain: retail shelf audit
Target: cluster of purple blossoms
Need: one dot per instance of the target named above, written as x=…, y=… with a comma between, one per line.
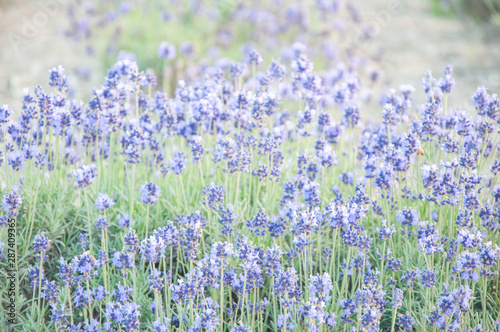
x=149, y=193
x=209, y=272
x=178, y=163
x=470, y=238
x=166, y=51
x=468, y=265
x=85, y=176
x=385, y=232
x=101, y=223
x=11, y=203
x=259, y=223
x=41, y=245
x=406, y=323
x=213, y=196
x=103, y=202
x=286, y=287
x=155, y=281
x=227, y=216
x=408, y=217
x=124, y=220
x=152, y=249
x=450, y=308
x=125, y=314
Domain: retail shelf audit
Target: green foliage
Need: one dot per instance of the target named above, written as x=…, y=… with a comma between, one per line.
x=141, y=32
x=481, y=11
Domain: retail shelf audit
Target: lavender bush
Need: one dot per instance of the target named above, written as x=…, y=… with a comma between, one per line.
x=254, y=198
x=170, y=37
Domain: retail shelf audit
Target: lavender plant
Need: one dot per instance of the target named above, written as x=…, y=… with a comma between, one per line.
x=252, y=201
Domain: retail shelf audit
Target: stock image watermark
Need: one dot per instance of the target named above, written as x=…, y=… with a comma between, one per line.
x=372, y=28
x=29, y=25
x=11, y=273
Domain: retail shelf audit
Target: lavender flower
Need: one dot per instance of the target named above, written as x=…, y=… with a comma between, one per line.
x=320, y=288
x=227, y=217
x=85, y=176
x=197, y=149
x=16, y=160
x=408, y=217
x=213, y=196
x=85, y=265
x=155, y=281
x=166, y=51
x=152, y=249
x=5, y=113
x=468, y=265
x=103, y=202
x=150, y=193
x=132, y=241
x=124, y=220
x=397, y=298
x=386, y=232
x=241, y=328
x=50, y=293
x=254, y=58
x=470, y=238
x=259, y=223
x=406, y=323
x=83, y=242
x=178, y=163
x=450, y=308
x=59, y=317
x=428, y=278
x=41, y=245
x=11, y=203
x=101, y=223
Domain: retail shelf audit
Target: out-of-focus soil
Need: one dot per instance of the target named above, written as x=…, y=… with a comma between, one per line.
x=31, y=42
x=414, y=40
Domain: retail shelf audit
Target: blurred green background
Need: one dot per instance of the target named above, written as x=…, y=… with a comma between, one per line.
x=482, y=11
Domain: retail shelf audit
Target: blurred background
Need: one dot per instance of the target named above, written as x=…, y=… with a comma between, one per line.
x=397, y=40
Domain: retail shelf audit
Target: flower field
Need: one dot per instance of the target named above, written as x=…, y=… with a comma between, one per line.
x=273, y=191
